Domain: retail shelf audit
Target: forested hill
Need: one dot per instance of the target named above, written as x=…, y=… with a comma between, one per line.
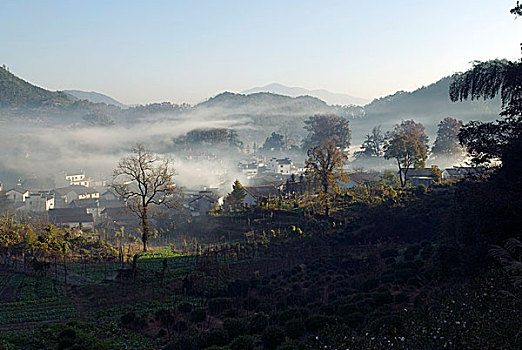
x=16, y=92
x=266, y=112
x=431, y=100
x=428, y=105
x=265, y=102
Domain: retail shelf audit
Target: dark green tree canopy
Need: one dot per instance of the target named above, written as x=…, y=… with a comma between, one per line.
x=486, y=142
x=233, y=139
x=373, y=145
x=209, y=137
x=487, y=80
x=274, y=142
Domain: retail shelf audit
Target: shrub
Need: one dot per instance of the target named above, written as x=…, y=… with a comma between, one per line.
x=66, y=338
x=365, y=306
x=369, y=284
x=235, y=327
x=387, y=277
x=164, y=316
x=128, y=318
x=230, y=313
x=258, y=323
x=250, y=303
x=401, y=298
x=354, y=320
x=184, y=307
x=294, y=328
x=244, y=342
x=388, y=325
x=198, y=315
x=272, y=336
x=316, y=322
x=218, y=305
x=288, y=315
x=181, y=326
x=427, y=252
x=389, y=261
x=288, y=345
x=346, y=309
x=421, y=190
x=403, y=275
x=238, y=288
x=216, y=336
x=296, y=300
x=383, y=298
x=389, y=253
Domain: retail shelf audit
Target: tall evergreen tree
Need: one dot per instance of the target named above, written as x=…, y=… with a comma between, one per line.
x=238, y=193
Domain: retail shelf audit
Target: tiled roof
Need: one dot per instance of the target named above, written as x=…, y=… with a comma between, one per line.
x=66, y=215
x=18, y=189
x=78, y=189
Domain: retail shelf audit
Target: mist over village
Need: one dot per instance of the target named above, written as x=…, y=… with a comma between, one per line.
x=260, y=206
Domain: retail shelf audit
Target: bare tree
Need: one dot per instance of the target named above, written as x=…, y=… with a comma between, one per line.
x=144, y=181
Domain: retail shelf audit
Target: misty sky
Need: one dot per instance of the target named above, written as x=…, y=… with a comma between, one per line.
x=186, y=51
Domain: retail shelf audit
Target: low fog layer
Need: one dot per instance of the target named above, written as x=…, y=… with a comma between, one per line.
x=30, y=151
x=45, y=143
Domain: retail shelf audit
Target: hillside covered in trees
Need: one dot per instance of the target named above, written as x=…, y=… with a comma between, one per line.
x=16, y=92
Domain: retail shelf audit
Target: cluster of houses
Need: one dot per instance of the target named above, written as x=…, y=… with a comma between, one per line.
x=77, y=204
x=280, y=177
x=201, y=202
x=259, y=166
x=427, y=176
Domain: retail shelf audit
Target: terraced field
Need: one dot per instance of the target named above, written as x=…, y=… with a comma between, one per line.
x=27, y=299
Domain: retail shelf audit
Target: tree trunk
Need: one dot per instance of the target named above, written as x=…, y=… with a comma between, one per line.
x=400, y=173
x=146, y=230
x=64, y=270
x=327, y=206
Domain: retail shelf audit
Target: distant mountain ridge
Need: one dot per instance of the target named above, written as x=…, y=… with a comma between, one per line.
x=95, y=97
x=259, y=112
x=331, y=98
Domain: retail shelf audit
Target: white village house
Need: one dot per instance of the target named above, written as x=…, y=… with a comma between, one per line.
x=77, y=178
x=457, y=173
x=65, y=195
x=282, y=166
